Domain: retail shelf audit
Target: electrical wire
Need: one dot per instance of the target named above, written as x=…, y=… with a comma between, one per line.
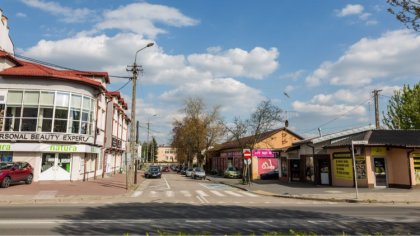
x=338, y=117
x=122, y=86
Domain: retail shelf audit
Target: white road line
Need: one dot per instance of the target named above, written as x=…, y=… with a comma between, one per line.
x=166, y=181
x=62, y=221
x=259, y=221
x=170, y=194
x=186, y=193
x=202, y=199
x=153, y=193
x=217, y=193
x=197, y=221
x=201, y=193
x=137, y=193
x=233, y=194
x=249, y=194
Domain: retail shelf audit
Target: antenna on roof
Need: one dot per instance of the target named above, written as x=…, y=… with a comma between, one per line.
x=319, y=131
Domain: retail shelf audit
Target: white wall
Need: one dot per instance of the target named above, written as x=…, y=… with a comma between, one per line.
x=6, y=43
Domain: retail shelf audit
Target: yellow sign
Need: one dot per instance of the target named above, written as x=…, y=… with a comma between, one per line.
x=4, y=147
x=378, y=151
x=343, y=168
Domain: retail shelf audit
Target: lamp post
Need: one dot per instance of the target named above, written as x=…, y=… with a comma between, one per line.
x=353, y=142
x=148, y=132
x=135, y=69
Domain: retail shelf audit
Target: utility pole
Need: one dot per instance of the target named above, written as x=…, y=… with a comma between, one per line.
x=135, y=69
x=148, y=131
x=376, y=95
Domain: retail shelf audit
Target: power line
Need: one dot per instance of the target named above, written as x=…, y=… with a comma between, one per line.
x=338, y=117
x=122, y=86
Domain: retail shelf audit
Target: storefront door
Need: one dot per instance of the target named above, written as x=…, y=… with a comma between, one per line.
x=380, y=172
x=295, y=170
x=324, y=171
x=55, y=166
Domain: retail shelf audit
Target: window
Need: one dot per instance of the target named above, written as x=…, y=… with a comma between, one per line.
x=12, y=122
x=29, y=118
x=45, y=119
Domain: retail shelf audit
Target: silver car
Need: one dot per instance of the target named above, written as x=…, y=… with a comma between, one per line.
x=188, y=172
x=198, y=173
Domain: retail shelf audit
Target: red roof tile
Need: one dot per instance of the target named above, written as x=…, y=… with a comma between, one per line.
x=33, y=70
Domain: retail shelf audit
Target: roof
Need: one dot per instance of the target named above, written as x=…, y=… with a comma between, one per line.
x=396, y=138
x=249, y=139
x=334, y=135
x=33, y=70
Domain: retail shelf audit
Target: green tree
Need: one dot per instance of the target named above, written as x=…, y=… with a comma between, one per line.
x=403, y=110
x=406, y=11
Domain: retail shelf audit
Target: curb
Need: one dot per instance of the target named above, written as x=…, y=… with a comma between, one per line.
x=315, y=198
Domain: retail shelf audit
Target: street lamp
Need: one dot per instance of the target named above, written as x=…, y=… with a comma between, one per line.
x=135, y=69
x=353, y=142
x=148, y=131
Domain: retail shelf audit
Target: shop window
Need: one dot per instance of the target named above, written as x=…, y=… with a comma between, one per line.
x=6, y=156
x=29, y=118
x=45, y=119
x=85, y=123
x=64, y=161
x=12, y=122
x=48, y=160
x=74, y=121
x=60, y=122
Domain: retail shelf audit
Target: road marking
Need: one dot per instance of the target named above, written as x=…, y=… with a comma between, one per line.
x=259, y=221
x=63, y=221
x=214, y=186
x=186, y=193
x=249, y=194
x=170, y=193
x=153, y=193
x=217, y=193
x=202, y=199
x=233, y=194
x=201, y=193
x=166, y=181
x=137, y=193
x=197, y=221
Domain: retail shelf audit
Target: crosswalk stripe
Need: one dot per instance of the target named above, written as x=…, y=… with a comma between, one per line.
x=233, y=194
x=201, y=193
x=186, y=193
x=249, y=194
x=153, y=193
x=170, y=194
x=137, y=193
x=217, y=193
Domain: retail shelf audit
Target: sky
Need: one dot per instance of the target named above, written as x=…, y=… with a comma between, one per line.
x=318, y=60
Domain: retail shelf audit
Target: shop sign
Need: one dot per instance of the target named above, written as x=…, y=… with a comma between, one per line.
x=63, y=148
x=361, y=167
x=231, y=154
x=267, y=164
x=262, y=153
x=4, y=147
x=41, y=137
x=343, y=168
x=378, y=151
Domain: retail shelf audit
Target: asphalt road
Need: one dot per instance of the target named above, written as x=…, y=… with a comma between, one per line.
x=162, y=206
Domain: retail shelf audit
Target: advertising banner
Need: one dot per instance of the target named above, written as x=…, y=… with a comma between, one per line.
x=343, y=168
x=267, y=164
x=262, y=153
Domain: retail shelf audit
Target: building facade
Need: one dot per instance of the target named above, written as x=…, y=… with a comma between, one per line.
x=166, y=154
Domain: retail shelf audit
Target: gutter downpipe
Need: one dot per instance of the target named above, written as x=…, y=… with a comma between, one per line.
x=106, y=122
x=409, y=167
x=96, y=133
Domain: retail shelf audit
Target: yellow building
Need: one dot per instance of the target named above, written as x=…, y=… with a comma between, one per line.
x=166, y=154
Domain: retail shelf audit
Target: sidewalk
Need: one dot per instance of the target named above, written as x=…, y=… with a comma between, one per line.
x=324, y=193
x=109, y=188
x=113, y=189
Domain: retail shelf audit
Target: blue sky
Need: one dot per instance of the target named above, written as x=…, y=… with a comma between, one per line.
x=326, y=55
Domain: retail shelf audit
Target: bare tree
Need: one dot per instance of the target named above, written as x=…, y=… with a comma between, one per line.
x=406, y=11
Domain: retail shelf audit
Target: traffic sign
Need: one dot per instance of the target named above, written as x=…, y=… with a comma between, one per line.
x=247, y=153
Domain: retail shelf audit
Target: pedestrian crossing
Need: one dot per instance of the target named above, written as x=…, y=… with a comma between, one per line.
x=192, y=193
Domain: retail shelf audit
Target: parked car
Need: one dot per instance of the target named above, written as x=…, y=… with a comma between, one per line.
x=184, y=170
x=15, y=172
x=153, y=172
x=274, y=174
x=232, y=172
x=188, y=172
x=165, y=169
x=198, y=173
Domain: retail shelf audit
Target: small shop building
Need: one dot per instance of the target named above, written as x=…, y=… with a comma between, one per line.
x=383, y=158
x=264, y=158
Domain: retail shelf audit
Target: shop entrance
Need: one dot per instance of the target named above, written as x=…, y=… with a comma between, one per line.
x=55, y=166
x=380, y=172
x=295, y=170
x=324, y=171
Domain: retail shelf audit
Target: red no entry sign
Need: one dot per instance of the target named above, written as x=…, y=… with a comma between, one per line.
x=247, y=153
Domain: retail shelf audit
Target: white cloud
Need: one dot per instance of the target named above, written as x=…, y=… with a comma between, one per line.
x=68, y=14
x=392, y=56
x=289, y=88
x=329, y=110
x=21, y=15
x=351, y=9
x=141, y=18
x=294, y=75
x=237, y=62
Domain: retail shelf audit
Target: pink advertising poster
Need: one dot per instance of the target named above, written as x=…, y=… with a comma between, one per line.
x=267, y=164
x=262, y=153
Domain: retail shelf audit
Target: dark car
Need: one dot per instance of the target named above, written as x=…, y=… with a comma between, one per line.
x=15, y=172
x=274, y=174
x=153, y=172
x=165, y=169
